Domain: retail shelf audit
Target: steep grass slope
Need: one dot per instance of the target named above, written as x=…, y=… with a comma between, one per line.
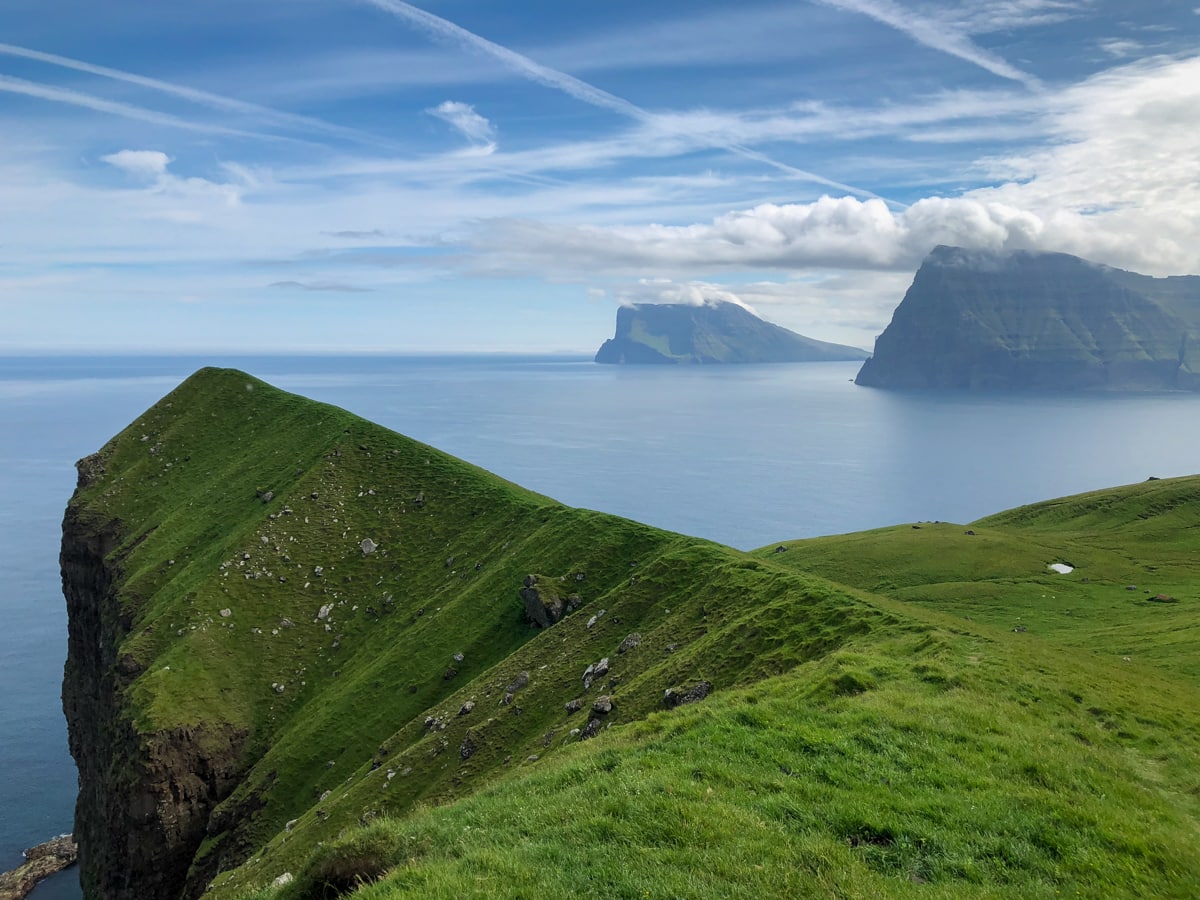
x=279, y=612
x=325, y=620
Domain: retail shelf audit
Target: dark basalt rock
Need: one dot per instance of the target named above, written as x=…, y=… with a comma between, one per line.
x=693, y=694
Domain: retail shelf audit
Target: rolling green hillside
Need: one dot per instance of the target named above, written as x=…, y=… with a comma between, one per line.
x=312, y=645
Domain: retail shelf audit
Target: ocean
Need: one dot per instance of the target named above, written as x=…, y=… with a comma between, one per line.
x=744, y=455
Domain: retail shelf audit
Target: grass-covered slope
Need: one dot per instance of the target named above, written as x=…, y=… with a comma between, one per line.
x=1134, y=591
x=843, y=733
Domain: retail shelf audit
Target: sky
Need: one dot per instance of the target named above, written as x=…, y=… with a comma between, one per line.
x=462, y=176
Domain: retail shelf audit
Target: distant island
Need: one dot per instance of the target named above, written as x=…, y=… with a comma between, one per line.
x=1038, y=321
x=717, y=332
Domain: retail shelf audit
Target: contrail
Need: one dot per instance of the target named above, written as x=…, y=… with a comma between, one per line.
x=127, y=110
x=445, y=30
x=935, y=35
x=203, y=98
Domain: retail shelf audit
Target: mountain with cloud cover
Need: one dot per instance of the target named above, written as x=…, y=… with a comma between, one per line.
x=714, y=332
x=1038, y=321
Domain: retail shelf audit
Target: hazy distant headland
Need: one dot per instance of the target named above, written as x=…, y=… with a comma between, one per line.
x=1034, y=321
x=717, y=332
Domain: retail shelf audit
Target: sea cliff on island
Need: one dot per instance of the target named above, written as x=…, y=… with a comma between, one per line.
x=1038, y=321
x=713, y=332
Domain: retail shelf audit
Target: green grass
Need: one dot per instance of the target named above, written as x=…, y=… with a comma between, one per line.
x=877, y=726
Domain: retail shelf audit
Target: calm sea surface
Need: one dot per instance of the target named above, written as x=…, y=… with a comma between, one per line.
x=742, y=455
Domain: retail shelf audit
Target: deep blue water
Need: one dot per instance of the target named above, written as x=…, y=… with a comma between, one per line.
x=743, y=455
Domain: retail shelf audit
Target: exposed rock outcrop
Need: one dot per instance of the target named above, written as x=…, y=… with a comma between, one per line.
x=41, y=862
x=1038, y=321
x=144, y=799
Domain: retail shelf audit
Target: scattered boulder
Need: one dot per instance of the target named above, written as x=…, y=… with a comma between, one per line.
x=575, y=705
x=324, y=611
x=673, y=697
x=1020, y=629
x=630, y=643
x=450, y=673
x=226, y=613
x=1162, y=598
x=603, y=705
x=594, y=671
x=285, y=878
x=466, y=708
x=467, y=748
x=543, y=606
x=519, y=682
x=368, y=546
x=590, y=730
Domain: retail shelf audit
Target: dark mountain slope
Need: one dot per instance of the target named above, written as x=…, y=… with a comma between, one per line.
x=1032, y=321
x=712, y=333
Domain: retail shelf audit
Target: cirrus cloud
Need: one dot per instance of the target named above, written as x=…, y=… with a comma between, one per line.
x=462, y=116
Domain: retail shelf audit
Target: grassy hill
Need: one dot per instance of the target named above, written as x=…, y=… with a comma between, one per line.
x=332, y=615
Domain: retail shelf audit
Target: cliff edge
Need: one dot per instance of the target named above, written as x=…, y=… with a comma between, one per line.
x=1038, y=321
x=716, y=332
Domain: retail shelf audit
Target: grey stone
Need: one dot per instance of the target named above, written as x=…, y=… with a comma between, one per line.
x=631, y=642
x=697, y=692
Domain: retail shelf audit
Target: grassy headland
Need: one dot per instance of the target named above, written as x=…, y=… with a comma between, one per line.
x=850, y=716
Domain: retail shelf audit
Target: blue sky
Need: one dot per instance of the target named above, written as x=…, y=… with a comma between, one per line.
x=298, y=175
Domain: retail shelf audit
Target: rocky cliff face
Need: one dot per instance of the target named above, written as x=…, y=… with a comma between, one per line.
x=1038, y=321
x=144, y=798
x=712, y=333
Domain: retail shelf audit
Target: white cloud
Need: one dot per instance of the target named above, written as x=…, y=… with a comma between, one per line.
x=830, y=232
x=149, y=164
x=472, y=125
x=203, y=98
x=1118, y=183
x=987, y=16
x=690, y=293
x=937, y=34
x=1121, y=48
x=442, y=29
